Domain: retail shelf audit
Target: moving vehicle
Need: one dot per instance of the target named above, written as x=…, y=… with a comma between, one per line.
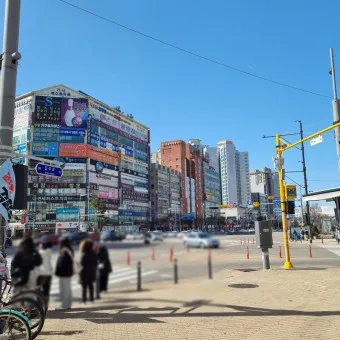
x=77, y=237
x=201, y=240
x=51, y=238
x=111, y=235
x=156, y=236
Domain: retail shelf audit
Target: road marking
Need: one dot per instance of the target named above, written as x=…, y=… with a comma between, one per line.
x=334, y=249
x=166, y=276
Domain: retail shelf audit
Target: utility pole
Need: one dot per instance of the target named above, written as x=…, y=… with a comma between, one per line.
x=336, y=109
x=9, y=66
x=304, y=173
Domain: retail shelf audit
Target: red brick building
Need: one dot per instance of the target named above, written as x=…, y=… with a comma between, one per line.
x=182, y=157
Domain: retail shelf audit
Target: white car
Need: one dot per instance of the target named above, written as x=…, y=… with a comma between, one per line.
x=156, y=236
x=134, y=236
x=201, y=240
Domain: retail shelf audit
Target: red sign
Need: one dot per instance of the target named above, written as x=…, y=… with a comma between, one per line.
x=23, y=218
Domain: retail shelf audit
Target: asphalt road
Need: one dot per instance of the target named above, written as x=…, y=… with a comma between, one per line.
x=193, y=263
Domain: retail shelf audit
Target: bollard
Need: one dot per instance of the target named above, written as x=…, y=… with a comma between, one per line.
x=139, y=276
x=310, y=252
x=153, y=257
x=175, y=272
x=280, y=252
x=247, y=254
x=171, y=256
x=248, y=240
x=322, y=240
x=128, y=259
x=209, y=266
x=188, y=249
x=265, y=259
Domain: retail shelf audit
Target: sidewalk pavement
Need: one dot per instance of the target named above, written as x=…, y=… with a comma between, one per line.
x=276, y=304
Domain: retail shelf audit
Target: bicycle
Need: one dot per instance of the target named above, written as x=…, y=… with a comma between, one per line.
x=14, y=325
x=28, y=303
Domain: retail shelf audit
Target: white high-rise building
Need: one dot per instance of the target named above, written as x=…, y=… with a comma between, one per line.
x=234, y=168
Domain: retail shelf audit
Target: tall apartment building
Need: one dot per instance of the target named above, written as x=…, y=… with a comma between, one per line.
x=234, y=168
x=186, y=159
x=105, y=155
x=165, y=196
x=264, y=183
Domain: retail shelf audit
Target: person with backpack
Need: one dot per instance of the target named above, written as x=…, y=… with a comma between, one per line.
x=64, y=270
x=88, y=264
x=104, y=268
x=24, y=266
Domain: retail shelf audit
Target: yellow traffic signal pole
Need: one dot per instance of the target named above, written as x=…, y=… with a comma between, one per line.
x=282, y=146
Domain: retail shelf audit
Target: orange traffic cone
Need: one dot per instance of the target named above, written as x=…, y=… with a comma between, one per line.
x=128, y=259
x=310, y=252
x=280, y=252
x=153, y=254
x=171, y=256
x=247, y=256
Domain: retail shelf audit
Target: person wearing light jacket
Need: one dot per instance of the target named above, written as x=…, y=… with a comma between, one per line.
x=45, y=270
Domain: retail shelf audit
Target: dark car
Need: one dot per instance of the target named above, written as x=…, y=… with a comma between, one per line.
x=95, y=237
x=111, y=235
x=51, y=238
x=77, y=237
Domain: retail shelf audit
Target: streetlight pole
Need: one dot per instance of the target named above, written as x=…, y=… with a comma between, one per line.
x=304, y=173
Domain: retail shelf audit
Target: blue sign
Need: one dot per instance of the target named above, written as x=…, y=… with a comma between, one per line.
x=133, y=213
x=250, y=202
x=188, y=218
x=72, y=132
x=104, y=143
x=45, y=149
x=47, y=170
x=276, y=200
x=277, y=210
x=30, y=214
x=73, y=211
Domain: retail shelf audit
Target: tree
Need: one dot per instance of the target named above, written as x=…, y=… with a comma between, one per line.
x=99, y=207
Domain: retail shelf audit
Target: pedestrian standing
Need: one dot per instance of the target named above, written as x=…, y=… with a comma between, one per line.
x=64, y=270
x=24, y=266
x=45, y=270
x=88, y=263
x=104, y=268
x=302, y=235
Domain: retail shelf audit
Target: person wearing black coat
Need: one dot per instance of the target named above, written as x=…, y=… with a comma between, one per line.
x=88, y=263
x=104, y=268
x=64, y=270
x=23, y=264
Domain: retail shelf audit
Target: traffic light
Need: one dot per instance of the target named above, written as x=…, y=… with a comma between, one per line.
x=290, y=207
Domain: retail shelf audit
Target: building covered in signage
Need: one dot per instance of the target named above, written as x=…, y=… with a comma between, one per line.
x=105, y=155
x=165, y=193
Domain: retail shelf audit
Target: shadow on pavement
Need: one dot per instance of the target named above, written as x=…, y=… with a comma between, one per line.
x=126, y=311
x=57, y=333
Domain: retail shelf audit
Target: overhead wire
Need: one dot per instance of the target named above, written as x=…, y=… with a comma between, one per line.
x=181, y=49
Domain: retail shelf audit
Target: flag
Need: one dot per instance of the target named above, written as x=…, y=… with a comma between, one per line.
x=7, y=189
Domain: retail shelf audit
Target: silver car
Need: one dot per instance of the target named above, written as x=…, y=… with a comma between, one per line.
x=201, y=240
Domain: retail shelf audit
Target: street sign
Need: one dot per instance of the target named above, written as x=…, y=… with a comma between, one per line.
x=277, y=210
x=271, y=197
x=256, y=204
x=30, y=214
x=48, y=170
x=316, y=140
x=250, y=202
x=276, y=200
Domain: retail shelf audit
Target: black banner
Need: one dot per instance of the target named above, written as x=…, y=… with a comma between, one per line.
x=56, y=198
x=57, y=185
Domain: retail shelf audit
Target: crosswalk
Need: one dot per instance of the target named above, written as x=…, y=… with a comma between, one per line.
x=334, y=249
x=120, y=274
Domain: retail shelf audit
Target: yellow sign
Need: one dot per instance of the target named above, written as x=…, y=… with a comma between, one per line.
x=256, y=204
x=226, y=206
x=271, y=197
x=290, y=192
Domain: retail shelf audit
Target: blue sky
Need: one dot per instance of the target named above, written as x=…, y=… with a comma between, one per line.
x=180, y=96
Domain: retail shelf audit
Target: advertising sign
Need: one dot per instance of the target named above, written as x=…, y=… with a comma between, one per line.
x=47, y=110
x=96, y=154
x=104, y=143
x=126, y=151
x=134, y=129
x=45, y=149
x=74, y=112
x=21, y=122
x=7, y=193
x=103, y=180
x=22, y=107
x=67, y=225
x=73, y=211
x=72, y=132
x=94, y=139
x=101, y=114
x=112, y=194
x=72, y=150
x=21, y=148
x=57, y=185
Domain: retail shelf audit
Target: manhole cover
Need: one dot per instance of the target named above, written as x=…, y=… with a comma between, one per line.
x=246, y=270
x=242, y=285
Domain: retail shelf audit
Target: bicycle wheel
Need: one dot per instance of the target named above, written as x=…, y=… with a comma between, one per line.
x=35, y=295
x=32, y=310
x=14, y=326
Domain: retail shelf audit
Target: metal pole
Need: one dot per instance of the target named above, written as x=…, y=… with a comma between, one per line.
x=175, y=272
x=139, y=276
x=287, y=263
x=210, y=275
x=8, y=66
x=304, y=173
x=336, y=109
x=265, y=259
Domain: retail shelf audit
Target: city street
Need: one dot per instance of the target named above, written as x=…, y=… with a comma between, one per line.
x=193, y=263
